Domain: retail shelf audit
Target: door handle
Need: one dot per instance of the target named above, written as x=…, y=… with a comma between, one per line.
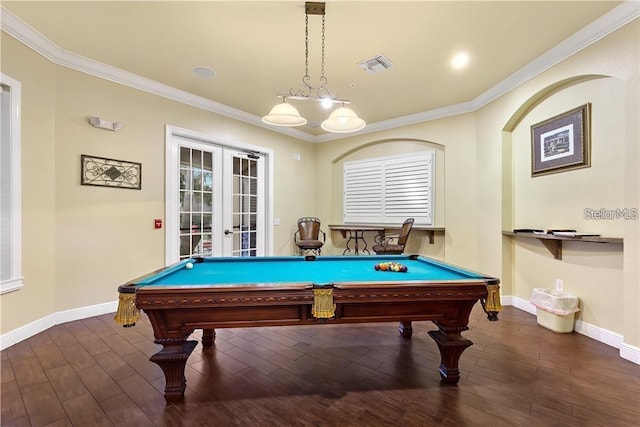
x=227, y=232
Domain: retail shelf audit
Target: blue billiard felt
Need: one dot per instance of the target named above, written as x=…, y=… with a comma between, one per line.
x=324, y=270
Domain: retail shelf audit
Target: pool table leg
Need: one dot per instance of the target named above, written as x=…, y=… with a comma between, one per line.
x=172, y=359
x=451, y=345
x=208, y=336
x=406, y=330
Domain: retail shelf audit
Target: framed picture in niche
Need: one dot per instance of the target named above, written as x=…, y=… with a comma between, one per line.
x=114, y=173
x=562, y=143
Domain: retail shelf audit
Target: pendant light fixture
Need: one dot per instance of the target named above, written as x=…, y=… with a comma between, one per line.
x=342, y=120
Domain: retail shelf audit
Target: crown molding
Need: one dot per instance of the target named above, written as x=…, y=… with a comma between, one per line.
x=596, y=30
x=616, y=18
x=28, y=36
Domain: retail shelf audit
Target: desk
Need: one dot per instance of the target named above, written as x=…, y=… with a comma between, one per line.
x=356, y=232
x=273, y=291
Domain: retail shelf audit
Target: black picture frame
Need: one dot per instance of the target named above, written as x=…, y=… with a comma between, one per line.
x=103, y=172
x=562, y=143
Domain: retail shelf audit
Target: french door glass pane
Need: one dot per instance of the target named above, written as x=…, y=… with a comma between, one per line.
x=185, y=157
x=197, y=179
x=185, y=246
x=196, y=157
x=196, y=222
x=185, y=201
x=206, y=223
x=207, y=181
x=197, y=201
x=185, y=223
x=185, y=179
x=207, y=202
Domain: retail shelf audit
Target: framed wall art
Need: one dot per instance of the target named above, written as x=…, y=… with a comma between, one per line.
x=110, y=172
x=562, y=142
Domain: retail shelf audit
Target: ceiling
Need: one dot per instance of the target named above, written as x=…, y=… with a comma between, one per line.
x=257, y=48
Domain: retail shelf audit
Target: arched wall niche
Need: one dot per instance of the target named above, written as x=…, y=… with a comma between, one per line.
x=507, y=137
x=390, y=147
x=558, y=200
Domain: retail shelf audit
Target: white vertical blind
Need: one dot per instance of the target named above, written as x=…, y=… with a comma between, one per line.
x=388, y=190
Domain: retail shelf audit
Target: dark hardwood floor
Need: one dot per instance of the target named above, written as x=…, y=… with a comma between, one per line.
x=93, y=372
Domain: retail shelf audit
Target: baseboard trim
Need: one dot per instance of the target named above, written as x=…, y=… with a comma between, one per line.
x=597, y=333
x=630, y=353
x=604, y=336
x=40, y=325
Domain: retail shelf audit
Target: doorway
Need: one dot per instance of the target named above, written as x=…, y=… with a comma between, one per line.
x=217, y=200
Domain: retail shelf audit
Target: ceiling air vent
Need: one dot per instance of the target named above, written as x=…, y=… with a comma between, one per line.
x=376, y=64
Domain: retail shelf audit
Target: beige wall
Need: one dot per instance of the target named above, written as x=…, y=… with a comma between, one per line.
x=488, y=187
x=38, y=196
x=81, y=242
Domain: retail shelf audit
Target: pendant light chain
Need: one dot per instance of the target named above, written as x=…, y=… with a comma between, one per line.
x=320, y=90
x=306, y=48
x=322, y=77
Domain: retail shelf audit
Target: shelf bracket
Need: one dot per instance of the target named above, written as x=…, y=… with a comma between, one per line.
x=554, y=246
x=430, y=234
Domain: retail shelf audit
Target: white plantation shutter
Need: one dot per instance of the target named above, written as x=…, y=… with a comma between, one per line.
x=390, y=189
x=363, y=184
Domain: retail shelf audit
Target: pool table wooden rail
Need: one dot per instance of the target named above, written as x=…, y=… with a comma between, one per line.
x=175, y=312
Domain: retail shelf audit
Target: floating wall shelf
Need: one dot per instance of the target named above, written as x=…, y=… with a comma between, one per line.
x=344, y=229
x=554, y=243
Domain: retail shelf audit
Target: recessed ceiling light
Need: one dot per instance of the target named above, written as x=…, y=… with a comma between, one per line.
x=204, y=72
x=460, y=60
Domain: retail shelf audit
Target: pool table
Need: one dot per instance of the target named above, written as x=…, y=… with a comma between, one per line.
x=209, y=293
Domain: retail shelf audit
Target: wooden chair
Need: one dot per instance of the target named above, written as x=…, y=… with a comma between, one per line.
x=394, y=243
x=307, y=237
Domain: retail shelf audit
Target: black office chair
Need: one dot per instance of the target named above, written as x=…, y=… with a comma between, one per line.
x=307, y=237
x=394, y=243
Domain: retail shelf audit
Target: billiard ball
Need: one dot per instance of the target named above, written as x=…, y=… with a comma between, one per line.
x=189, y=265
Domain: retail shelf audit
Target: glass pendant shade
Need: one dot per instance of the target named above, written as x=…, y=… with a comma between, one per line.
x=284, y=114
x=343, y=120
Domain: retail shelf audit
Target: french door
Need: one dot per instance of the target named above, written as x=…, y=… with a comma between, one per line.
x=242, y=199
x=215, y=200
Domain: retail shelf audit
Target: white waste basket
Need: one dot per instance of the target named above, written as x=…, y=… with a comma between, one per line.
x=555, y=310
